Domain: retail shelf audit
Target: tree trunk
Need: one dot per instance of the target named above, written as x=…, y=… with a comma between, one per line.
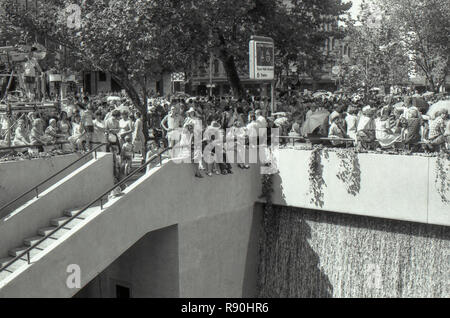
x=233, y=76
x=229, y=65
x=132, y=93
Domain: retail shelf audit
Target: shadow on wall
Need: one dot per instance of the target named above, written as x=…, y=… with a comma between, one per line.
x=284, y=250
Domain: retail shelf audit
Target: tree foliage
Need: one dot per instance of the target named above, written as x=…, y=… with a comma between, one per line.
x=424, y=26
x=378, y=58
x=135, y=40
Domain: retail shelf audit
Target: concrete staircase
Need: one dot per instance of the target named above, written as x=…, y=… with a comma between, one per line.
x=53, y=225
x=48, y=243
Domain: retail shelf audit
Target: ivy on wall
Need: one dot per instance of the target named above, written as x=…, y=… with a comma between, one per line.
x=349, y=170
x=442, y=182
x=316, y=181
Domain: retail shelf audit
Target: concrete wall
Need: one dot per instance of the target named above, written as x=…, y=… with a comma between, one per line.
x=307, y=253
x=75, y=190
x=218, y=255
x=149, y=269
x=165, y=197
x=17, y=177
x=392, y=187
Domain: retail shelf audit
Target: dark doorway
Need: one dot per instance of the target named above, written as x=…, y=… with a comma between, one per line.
x=87, y=83
x=115, y=87
x=122, y=292
x=160, y=88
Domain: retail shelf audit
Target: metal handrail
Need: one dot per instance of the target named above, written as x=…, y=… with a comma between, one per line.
x=100, y=198
x=309, y=139
x=35, y=145
x=36, y=187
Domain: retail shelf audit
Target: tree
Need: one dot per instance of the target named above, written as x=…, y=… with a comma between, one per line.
x=224, y=28
x=378, y=57
x=424, y=27
x=136, y=39
x=129, y=39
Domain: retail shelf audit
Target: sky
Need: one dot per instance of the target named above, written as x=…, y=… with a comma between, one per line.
x=355, y=7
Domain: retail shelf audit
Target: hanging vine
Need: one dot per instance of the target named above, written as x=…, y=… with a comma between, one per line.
x=267, y=188
x=316, y=181
x=441, y=182
x=349, y=170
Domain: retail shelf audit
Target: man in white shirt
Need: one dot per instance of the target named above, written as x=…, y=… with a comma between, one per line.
x=171, y=123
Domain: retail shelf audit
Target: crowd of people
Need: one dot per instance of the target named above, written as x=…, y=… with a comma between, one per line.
x=336, y=120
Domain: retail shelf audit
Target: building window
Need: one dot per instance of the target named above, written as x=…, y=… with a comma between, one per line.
x=216, y=67
x=101, y=76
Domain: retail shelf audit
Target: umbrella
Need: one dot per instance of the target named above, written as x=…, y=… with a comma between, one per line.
x=320, y=94
x=443, y=104
x=316, y=120
x=181, y=95
x=113, y=98
x=123, y=108
x=281, y=121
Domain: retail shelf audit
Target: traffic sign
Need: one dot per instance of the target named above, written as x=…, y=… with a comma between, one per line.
x=261, y=58
x=336, y=70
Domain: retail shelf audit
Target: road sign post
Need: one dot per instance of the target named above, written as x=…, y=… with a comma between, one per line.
x=262, y=62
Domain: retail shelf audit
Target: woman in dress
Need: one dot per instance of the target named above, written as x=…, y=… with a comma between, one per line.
x=78, y=133
x=126, y=126
x=138, y=135
x=64, y=128
x=99, y=129
x=21, y=136
x=384, y=132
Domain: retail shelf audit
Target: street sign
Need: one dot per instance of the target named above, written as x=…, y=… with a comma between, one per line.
x=261, y=58
x=336, y=70
x=211, y=85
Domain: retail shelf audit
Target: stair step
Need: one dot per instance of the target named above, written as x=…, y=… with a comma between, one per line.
x=12, y=267
x=85, y=214
x=5, y=260
x=59, y=221
x=32, y=240
x=59, y=233
x=16, y=251
x=4, y=274
x=43, y=245
x=46, y=231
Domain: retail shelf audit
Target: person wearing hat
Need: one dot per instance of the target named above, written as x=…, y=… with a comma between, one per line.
x=336, y=129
